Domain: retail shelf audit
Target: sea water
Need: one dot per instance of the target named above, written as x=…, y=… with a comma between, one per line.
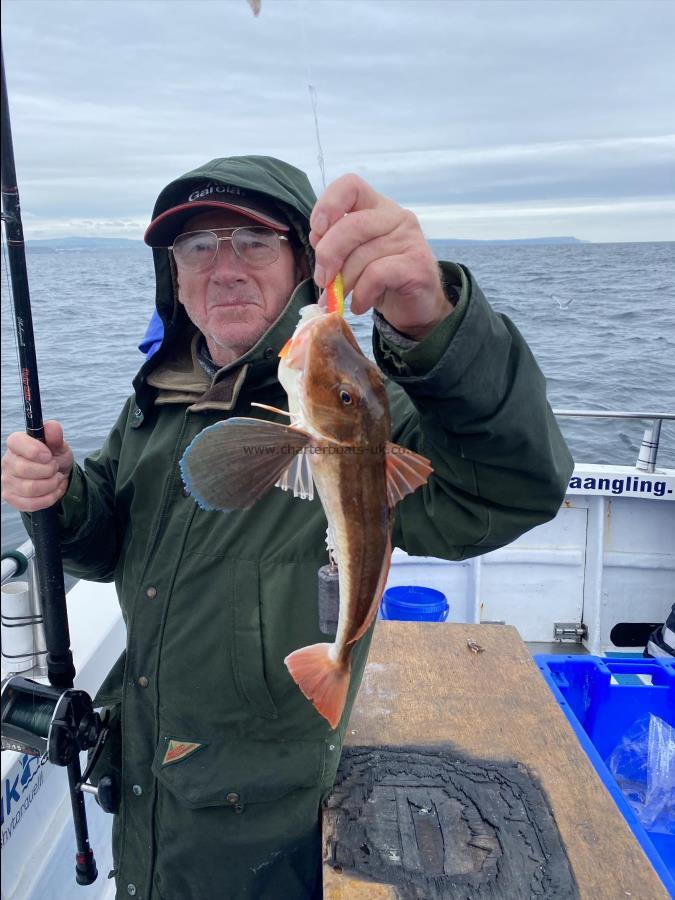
x=600, y=319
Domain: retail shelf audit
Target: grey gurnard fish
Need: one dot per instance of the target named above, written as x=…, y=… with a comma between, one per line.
x=338, y=441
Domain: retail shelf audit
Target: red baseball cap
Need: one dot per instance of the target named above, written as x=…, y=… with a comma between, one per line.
x=165, y=227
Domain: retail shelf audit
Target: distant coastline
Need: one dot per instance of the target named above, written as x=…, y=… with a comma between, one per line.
x=95, y=243
x=540, y=240
x=84, y=243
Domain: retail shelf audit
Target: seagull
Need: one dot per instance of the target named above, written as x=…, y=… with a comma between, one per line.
x=563, y=304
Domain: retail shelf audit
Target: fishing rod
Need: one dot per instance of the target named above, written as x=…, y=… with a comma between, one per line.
x=55, y=722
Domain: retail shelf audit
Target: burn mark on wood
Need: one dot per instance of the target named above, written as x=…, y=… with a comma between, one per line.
x=434, y=823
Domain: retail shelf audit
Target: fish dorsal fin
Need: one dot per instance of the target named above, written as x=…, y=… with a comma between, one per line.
x=232, y=464
x=406, y=471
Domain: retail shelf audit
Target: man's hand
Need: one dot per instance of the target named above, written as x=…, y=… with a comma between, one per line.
x=35, y=475
x=382, y=254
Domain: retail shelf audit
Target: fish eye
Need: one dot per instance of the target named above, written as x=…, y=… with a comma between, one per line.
x=345, y=397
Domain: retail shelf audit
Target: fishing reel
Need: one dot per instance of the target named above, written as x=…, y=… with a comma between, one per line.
x=57, y=725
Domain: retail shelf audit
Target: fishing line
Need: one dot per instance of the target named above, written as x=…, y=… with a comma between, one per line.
x=334, y=292
x=30, y=715
x=313, y=99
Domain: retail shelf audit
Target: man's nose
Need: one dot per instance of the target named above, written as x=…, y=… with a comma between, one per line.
x=227, y=264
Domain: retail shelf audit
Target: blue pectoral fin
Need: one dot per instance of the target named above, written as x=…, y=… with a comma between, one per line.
x=232, y=464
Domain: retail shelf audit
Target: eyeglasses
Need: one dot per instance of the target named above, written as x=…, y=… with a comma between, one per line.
x=257, y=246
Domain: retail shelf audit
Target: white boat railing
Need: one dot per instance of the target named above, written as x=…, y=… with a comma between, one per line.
x=24, y=646
x=646, y=462
x=649, y=448
x=611, y=414
x=12, y=566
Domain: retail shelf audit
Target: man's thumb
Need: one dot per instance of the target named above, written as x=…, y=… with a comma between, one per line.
x=54, y=437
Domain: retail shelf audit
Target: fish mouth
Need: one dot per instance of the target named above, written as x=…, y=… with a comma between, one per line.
x=295, y=353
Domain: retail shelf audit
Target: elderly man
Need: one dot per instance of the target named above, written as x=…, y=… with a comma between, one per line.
x=222, y=763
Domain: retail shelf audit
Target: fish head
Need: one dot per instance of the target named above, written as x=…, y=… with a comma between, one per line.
x=342, y=392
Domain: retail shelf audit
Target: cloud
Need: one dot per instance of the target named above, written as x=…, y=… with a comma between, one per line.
x=476, y=105
x=38, y=228
x=633, y=219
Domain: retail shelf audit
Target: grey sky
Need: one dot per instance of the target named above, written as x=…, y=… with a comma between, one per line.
x=489, y=119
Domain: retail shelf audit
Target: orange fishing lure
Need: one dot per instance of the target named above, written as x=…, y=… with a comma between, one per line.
x=335, y=296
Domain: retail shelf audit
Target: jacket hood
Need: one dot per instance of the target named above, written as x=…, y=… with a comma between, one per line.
x=289, y=189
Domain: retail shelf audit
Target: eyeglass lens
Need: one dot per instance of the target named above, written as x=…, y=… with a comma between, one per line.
x=197, y=250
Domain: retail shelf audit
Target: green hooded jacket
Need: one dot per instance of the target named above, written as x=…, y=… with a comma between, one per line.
x=222, y=762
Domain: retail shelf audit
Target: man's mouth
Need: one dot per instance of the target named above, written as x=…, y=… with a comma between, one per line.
x=232, y=302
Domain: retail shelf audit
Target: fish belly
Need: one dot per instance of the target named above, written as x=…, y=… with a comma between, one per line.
x=353, y=494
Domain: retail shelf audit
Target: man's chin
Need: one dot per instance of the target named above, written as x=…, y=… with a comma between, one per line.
x=239, y=335
x=242, y=317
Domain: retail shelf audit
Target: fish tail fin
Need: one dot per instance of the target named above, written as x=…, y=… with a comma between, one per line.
x=321, y=679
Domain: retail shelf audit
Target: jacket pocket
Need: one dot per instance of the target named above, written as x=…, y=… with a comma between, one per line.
x=236, y=773
x=248, y=659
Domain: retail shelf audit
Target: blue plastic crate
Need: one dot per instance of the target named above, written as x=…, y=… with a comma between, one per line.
x=601, y=709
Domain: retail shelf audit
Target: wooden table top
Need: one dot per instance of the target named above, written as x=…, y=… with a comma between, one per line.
x=424, y=685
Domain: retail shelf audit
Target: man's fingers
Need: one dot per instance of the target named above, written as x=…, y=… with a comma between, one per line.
x=392, y=246
x=344, y=195
x=33, y=488
x=35, y=476
x=30, y=495
x=20, y=467
x=29, y=505
x=28, y=447
x=370, y=289
x=381, y=251
x=393, y=275
x=369, y=234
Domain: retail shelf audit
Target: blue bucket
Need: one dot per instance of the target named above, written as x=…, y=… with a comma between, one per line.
x=411, y=603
